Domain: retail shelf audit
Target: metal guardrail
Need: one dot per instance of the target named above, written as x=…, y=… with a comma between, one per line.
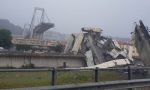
x=109, y=85
x=54, y=71
x=113, y=85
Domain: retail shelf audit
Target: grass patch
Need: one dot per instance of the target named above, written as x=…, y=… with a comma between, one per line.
x=31, y=79
x=24, y=79
x=112, y=75
x=70, y=77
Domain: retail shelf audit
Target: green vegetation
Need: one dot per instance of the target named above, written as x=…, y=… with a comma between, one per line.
x=23, y=47
x=58, y=48
x=28, y=66
x=5, y=38
x=31, y=79
x=87, y=76
x=24, y=79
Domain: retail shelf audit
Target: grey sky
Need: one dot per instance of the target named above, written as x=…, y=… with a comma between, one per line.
x=115, y=17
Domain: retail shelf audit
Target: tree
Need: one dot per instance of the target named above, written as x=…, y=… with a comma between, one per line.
x=58, y=48
x=23, y=47
x=5, y=38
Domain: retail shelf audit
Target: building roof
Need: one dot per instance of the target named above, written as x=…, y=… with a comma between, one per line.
x=123, y=42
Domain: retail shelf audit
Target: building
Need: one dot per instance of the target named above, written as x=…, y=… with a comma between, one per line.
x=131, y=49
x=34, y=42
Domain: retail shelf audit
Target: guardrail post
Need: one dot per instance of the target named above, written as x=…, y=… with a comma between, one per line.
x=54, y=74
x=129, y=73
x=64, y=65
x=96, y=75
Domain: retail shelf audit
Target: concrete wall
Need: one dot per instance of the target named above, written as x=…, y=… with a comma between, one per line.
x=41, y=60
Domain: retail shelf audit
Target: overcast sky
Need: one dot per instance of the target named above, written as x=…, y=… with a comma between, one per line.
x=115, y=17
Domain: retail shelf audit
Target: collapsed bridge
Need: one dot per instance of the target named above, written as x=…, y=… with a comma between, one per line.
x=99, y=50
x=39, y=24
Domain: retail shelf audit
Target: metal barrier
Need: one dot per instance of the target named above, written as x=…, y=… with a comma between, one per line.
x=113, y=85
x=97, y=84
x=109, y=85
x=54, y=71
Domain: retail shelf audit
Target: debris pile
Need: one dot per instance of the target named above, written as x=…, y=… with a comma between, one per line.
x=97, y=48
x=141, y=39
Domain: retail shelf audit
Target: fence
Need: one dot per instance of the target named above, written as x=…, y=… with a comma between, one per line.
x=54, y=73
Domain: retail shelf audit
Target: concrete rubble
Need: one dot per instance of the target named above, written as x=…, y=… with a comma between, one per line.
x=100, y=51
x=141, y=40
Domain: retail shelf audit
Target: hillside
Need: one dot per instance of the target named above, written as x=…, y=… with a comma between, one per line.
x=15, y=30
